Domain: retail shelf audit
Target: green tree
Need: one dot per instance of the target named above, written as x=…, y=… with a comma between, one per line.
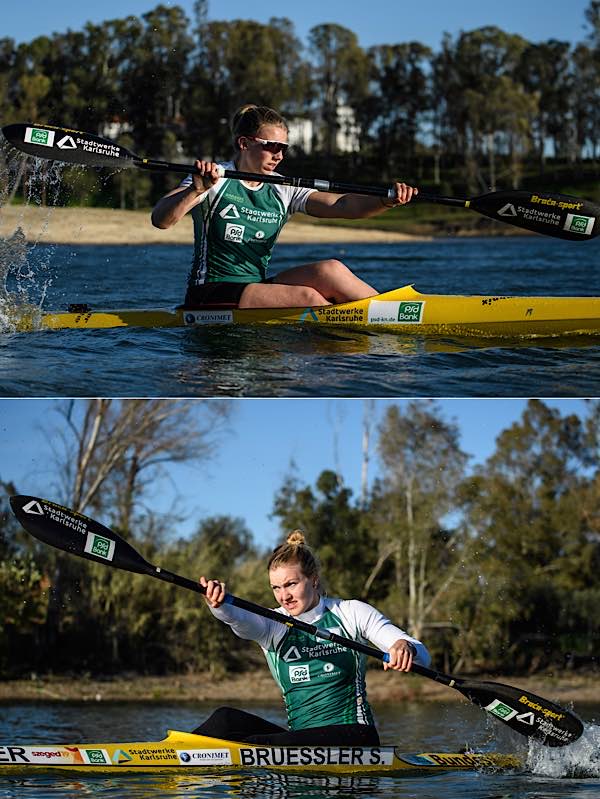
x=400, y=103
x=341, y=71
x=524, y=511
x=423, y=464
x=334, y=527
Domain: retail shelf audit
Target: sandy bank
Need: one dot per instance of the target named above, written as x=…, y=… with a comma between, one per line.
x=260, y=687
x=110, y=226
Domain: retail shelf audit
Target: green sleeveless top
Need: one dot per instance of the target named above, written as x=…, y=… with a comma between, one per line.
x=236, y=227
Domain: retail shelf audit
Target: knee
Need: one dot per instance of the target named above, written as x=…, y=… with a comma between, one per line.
x=331, y=267
x=309, y=296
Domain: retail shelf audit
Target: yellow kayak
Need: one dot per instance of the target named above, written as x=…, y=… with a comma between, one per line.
x=184, y=750
x=402, y=310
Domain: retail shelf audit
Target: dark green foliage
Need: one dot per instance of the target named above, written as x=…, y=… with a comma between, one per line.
x=488, y=110
x=496, y=569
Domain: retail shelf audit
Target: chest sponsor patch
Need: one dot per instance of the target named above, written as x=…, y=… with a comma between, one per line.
x=291, y=655
x=234, y=232
x=299, y=673
x=229, y=212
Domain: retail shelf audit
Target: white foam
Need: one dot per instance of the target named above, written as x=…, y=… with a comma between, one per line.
x=579, y=759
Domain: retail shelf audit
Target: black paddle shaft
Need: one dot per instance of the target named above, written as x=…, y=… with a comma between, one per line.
x=550, y=214
x=77, y=534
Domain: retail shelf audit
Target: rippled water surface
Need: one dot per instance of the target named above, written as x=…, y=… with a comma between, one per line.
x=570, y=773
x=300, y=361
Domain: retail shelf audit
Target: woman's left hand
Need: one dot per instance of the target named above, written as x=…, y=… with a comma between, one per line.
x=402, y=654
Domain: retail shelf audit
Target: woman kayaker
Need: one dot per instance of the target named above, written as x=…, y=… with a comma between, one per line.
x=236, y=224
x=323, y=684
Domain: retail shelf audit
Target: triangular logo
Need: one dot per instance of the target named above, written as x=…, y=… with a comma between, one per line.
x=527, y=718
x=229, y=212
x=34, y=508
x=309, y=312
x=67, y=143
x=291, y=654
x=508, y=210
x=121, y=756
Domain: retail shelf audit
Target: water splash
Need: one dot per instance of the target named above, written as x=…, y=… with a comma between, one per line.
x=578, y=760
x=25, y=268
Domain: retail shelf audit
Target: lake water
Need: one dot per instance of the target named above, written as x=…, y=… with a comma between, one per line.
x=569, y=773
x=297, y=361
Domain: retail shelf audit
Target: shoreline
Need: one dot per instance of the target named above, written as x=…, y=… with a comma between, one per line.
x=258, y=686
x=47, y=225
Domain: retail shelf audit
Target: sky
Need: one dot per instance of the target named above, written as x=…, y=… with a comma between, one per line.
x=251, y=461
x=376, y=22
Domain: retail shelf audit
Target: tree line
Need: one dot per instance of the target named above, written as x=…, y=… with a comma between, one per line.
x=485, y=110
x=494, y=567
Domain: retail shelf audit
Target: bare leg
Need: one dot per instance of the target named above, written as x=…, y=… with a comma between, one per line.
x=271, y=295
x=320, y=283
x=331, y=278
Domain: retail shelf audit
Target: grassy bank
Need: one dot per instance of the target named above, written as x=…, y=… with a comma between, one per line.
x=259, y=686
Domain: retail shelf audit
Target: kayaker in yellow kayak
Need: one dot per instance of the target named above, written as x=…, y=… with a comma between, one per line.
x=236, y=224
x=323, y=683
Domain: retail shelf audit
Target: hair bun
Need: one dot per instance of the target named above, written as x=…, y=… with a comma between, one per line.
x=296, y=538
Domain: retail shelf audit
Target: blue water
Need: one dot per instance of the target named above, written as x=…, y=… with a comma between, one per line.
x=300, y=361
x=570, y=773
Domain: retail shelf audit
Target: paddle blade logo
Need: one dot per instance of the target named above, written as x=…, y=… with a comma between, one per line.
x=99, y=546
x=34, y=508
x=508, y=210
x=498, y=708
x=67, y=143
x=579, y=224
x=40, y=136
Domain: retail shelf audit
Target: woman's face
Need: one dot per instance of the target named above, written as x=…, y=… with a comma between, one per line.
x=258, y=156
x=294, y=591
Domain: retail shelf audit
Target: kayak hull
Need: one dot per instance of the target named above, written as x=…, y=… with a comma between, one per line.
x=183, y=751
x=402, y=310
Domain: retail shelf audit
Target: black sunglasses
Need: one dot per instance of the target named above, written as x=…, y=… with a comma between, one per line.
x=272, y=146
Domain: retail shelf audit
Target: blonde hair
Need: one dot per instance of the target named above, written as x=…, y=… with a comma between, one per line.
x=295, y=550
x=249, y=119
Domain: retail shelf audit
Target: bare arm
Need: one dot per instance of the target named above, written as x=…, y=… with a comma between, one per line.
x=356, y=206
x=176, y=204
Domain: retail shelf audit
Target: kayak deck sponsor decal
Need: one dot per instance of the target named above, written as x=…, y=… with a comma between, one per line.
x=192, y=318
x=204, y=757
x=391, y=312
x=95, y=757
x=317, y=756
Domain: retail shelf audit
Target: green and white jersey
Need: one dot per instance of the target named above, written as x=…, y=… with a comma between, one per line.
x=236, y=227
x=322, y=682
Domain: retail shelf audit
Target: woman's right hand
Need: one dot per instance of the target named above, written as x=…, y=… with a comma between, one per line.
x=206, y=177
x=215, y=592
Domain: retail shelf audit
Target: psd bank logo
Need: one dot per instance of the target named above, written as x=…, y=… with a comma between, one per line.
x=234, y=232
x=299, y=673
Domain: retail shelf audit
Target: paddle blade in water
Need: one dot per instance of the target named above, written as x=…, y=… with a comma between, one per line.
x=71, y=146
x=556, y=215
x=524, y=712
x=77, y=534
